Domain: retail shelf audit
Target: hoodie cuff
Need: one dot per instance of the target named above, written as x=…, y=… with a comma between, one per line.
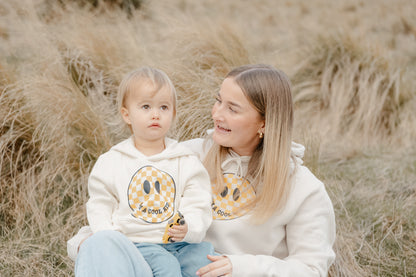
x=242, y=265
x=74, y=243
x=192, y=236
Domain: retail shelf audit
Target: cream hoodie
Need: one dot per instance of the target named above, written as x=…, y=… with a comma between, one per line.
x=296, y=242
x=137, y=194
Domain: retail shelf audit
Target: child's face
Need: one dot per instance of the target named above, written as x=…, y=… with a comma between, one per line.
x=149, y=113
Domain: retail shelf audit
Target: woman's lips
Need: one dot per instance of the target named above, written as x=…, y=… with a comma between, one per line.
x=222, y=129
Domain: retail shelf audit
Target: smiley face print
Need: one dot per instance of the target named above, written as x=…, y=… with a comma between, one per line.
x=151, y=195
x=233, y=200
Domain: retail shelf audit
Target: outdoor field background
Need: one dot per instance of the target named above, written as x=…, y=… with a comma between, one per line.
x=353, y=69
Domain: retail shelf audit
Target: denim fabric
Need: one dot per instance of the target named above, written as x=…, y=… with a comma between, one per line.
x=110, y=253
x=176, y=259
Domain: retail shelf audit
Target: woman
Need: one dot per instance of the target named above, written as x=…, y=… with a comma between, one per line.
x=272, y=216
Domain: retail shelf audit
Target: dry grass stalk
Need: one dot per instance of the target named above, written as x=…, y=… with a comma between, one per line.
x=59, y=71
x=353, y=91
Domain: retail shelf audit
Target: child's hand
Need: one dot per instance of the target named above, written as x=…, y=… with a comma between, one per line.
x=178, y=232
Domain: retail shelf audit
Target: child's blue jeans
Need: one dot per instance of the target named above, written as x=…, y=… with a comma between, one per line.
x=110, y=253
x=176, y=259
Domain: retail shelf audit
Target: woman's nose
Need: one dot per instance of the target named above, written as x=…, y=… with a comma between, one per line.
x=216, y=112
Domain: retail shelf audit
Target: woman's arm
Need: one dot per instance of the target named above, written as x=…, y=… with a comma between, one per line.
x=310, y=236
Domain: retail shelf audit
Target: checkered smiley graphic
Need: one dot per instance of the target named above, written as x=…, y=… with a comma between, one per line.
x=231, y=202
x=151, y=195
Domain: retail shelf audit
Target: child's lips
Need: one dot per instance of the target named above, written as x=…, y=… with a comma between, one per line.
x=154, y=125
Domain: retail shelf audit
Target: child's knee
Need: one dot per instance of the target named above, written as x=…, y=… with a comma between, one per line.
x=164, y=264
x=105, y=238
x=208, y=247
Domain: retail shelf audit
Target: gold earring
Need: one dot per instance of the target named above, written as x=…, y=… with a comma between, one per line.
x=260, y=134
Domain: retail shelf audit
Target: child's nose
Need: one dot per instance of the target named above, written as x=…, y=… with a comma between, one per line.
x=155, y=114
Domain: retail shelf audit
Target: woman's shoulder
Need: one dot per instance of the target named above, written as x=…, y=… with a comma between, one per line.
x=304, y=178
x=199, y=146
x=304, y=184
x=307, y=193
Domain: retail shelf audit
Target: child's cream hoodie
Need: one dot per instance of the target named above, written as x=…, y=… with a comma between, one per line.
x=137, y=194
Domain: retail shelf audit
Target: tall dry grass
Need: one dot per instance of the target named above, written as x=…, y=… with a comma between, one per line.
x=354, y=88
x=353, y=91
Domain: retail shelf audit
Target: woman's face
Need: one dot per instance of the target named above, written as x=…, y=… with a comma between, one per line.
x=236, y=121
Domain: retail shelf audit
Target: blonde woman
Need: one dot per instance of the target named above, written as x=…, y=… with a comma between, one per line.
x=271, y=215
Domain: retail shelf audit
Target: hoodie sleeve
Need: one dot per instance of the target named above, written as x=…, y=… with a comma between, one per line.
x=74, y=243
x=99, y=206
x=102, y=201
x=195, y=204
x=310, y=235
x=198, y=146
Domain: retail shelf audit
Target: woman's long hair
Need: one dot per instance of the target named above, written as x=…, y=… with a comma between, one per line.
x=268, y=90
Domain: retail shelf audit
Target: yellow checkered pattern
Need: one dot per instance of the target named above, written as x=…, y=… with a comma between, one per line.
x=155, y=203
x=235, y=197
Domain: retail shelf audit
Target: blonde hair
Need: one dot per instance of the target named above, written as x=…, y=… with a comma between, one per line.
x=157, y=77
x=268, y=90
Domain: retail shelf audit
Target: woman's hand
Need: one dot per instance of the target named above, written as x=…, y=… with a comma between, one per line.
x=178, y=232
x=220, y=266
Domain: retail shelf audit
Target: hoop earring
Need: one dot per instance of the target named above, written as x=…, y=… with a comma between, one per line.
x=260, y=134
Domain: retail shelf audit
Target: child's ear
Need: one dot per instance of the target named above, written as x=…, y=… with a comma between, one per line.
x=125, y=115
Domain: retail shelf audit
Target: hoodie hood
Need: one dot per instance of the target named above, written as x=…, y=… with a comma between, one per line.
x=297, y=153
x=172, y=150
x=238, y=165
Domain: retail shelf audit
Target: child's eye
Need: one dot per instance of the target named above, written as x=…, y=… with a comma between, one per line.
x=164, y=107
x=145, y=107
x=218, y=99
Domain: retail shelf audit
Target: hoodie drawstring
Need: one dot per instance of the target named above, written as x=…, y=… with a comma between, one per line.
x=239, y=168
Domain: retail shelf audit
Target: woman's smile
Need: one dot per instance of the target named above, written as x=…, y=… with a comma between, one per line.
x=222, y=129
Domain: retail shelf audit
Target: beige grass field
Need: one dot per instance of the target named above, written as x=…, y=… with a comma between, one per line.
x=353, y=68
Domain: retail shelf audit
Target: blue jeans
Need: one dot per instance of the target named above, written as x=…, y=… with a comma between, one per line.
x=110, y=253
x=176, y=259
